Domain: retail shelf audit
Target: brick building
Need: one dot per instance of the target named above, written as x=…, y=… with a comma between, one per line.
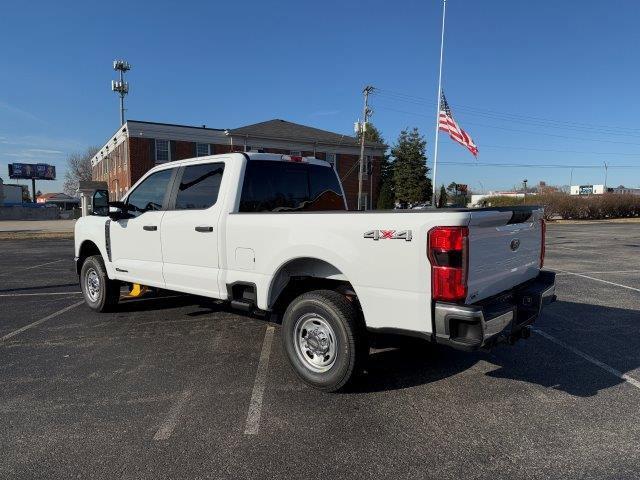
x=137, y=146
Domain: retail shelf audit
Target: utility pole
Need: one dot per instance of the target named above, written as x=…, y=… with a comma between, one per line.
x=366, y=111
x=570, y=179
x=524, y=182
x=606, y=173
x=120, y=86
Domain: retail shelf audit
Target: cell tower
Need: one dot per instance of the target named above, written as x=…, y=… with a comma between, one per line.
x=120, y=86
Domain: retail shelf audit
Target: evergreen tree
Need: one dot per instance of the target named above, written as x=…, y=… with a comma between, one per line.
x=410, y=180
x=443, y=198
x=372, y=134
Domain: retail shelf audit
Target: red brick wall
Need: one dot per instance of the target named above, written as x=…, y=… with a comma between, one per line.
x=278, y=151
x=141, y=157
x=218, y=148
x=114, y=169
x=184, y=150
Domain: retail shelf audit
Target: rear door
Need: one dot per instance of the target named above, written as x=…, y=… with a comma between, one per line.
x=190, y=235
x=504, y=250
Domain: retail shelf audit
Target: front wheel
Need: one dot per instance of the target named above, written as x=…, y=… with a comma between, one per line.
x=100, y=293
x=324, y=339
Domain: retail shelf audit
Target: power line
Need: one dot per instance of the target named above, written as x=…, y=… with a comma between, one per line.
x=535, y=165
x=509, y=116
x=554, y=125
x=517, y=130
x=549, y=120
x=615, y=131
x=581, y=152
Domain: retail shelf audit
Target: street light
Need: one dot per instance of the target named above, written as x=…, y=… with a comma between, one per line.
x=524, y=200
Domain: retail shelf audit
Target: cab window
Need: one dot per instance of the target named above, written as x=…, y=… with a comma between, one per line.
x=149, y=195
x=271, y=186
x=199, y=186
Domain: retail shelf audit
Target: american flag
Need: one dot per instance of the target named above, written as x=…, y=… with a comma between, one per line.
x=446, y=123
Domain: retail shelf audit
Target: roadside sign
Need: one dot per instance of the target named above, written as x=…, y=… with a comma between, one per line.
x=32, y=171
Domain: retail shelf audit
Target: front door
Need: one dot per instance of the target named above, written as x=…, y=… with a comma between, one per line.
x=190, y=233
x=135, y=242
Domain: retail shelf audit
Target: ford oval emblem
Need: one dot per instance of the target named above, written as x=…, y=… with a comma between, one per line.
x=515, y=244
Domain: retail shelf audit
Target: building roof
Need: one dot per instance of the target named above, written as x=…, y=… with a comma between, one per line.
x=202, y=127
x=282, y=129
x=59, y=197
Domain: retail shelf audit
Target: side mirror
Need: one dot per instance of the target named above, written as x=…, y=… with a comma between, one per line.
x=119, y=211
x=100, y=203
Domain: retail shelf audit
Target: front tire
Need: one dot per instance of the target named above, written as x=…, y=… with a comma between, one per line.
x=324, y=339
x=100, y=293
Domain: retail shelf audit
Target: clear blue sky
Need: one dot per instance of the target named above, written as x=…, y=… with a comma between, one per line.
x=226, y=64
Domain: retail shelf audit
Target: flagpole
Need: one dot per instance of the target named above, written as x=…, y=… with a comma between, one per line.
x=435, y=152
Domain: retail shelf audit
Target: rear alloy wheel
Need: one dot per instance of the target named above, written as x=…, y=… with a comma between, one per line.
x=100, y=293
x=324, y=339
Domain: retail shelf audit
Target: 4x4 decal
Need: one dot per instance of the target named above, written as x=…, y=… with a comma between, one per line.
x=389, y=234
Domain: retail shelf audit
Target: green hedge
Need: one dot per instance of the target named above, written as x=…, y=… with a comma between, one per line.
x=574, y=207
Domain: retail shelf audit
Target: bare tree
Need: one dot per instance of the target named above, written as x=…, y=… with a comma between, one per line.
x=78, y=169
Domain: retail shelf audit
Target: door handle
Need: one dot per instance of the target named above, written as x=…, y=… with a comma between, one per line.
x=204, y=229
x=150, y=228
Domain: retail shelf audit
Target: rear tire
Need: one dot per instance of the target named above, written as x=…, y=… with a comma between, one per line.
x=324, y=339
x=100, y=293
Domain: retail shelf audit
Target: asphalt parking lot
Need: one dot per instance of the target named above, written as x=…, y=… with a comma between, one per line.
x=181, y=387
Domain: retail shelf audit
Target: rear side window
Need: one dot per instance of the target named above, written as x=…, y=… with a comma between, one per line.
x=272, y=186
x=199, y=186
x=149, y=195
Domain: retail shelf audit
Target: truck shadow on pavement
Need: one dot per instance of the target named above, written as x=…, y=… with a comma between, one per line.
x=608, y=335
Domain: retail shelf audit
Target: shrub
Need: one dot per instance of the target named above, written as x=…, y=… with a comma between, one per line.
x=574, y=207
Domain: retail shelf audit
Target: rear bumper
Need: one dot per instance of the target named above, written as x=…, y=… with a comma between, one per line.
x=503, y=317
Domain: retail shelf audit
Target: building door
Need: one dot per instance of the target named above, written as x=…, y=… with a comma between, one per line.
x=135, y=242
x=190, y=233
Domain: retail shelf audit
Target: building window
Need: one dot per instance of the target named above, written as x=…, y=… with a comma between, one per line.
x=162, y=151
x=331, y=158
x=202, y=149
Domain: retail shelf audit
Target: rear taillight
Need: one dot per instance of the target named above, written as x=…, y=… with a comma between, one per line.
x=448, y=254
x=543, y=239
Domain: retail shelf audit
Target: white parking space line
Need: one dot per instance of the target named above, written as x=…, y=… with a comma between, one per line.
x=602, y=272
x=38, y=322
x=255, y=406
x=622, y=376
x=166, y=429
x=34, y=266
x=43, y=264
x=36, y=294
x=598, y=280
x=564, y=248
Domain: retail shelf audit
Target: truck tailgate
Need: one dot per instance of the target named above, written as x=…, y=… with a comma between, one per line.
x=504, y=250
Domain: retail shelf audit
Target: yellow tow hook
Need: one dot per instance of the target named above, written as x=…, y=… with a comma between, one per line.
x=137, y=290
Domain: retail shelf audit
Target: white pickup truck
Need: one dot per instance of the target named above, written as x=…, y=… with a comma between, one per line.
x=271, y=233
